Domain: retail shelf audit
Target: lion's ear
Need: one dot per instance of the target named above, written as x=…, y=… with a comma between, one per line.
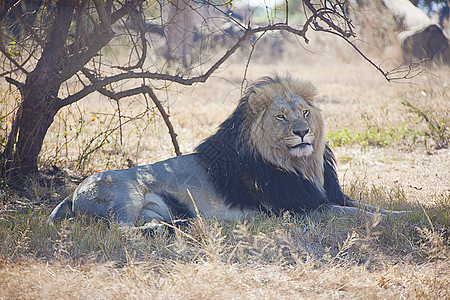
x=255, y=102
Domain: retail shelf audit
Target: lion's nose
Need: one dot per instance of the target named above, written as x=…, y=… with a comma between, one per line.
x=301, y=133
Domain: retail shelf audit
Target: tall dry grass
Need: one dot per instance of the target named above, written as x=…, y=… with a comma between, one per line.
x=266, y=256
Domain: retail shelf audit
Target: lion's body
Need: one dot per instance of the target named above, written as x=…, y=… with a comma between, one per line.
x=270, y=154
x=162, y=191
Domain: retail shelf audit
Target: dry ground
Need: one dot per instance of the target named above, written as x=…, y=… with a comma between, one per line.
x=353, y=96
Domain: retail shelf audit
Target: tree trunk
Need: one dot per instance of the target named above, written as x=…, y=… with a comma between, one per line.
x=180, y=31
x=37, y=114
x=38, y=99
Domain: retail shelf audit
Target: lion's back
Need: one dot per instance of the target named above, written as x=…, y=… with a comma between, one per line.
x=103, y=194
x=184, y=178
x=125, y=192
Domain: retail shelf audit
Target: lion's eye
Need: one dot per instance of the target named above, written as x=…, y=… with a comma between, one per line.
x=281, y=118
x=305, y=113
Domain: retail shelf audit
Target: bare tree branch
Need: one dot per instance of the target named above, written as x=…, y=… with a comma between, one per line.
x=101, y=36
x=244, y=78
x=176, y=78
x=14, y=82
x=165, y=116
x=102, y=15
x=11, y=59
x=141, y=90
x=27, y=26
x=23, y=63
x=7, y=8
x=321, y=14
x=76, y=63
x=286, y=3
x=385, y=74
x=336, y=30
x=143, y=55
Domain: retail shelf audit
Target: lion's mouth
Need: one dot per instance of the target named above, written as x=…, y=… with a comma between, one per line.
x=301, y=145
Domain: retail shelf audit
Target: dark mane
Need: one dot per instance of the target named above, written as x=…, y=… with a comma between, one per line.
x=245, y=180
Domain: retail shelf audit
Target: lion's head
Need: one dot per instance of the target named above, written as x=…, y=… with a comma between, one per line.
x=285, y=126
x=271, y=150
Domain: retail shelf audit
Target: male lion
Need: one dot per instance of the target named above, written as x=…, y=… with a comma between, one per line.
x=270, y=154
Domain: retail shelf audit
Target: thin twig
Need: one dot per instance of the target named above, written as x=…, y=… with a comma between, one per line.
x=385, y=74
x=11, y=59
x=166, y=119
x=287, y=12
x=244, y=78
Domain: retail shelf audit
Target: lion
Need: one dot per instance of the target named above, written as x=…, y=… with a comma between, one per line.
x=269, y=155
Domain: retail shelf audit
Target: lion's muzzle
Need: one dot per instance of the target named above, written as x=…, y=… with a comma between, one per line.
x=301, y=133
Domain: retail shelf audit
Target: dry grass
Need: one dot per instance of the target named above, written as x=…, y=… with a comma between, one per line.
x=268, y=256
x=211, y=281
x=265, y=257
